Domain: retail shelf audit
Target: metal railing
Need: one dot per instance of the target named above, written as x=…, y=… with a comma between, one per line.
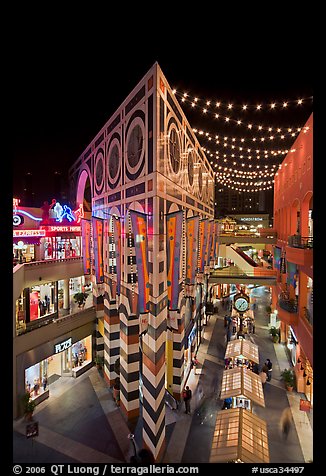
x=289, y=305
x=170, y=401
x=298, y=241
x=307, y=315
x=54, y=317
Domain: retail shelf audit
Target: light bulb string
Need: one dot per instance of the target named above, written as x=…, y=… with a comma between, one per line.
x=277, y=135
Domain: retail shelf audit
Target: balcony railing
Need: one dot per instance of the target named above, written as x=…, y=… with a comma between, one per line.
x=307, y=315
x=298, y=241
x=289, y=305
x=54, y=317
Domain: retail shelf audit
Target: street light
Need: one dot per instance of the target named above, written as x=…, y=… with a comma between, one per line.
x=131, y=437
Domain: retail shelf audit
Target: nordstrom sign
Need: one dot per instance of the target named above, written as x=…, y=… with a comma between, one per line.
x=251, y=219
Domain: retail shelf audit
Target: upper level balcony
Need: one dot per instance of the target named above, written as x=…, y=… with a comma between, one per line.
x=264, y=236
x=287, y=309
x=38, y=272
x=53, y=327
x=299, y=250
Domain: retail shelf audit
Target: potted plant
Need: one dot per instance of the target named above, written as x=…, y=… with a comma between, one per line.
x=99, y=362
x=275, y=334
x=80, y=299
x=288, y=376
x=28, y=406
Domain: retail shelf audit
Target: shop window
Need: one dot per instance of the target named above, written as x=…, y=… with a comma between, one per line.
x=36, y=379
x=42, y=301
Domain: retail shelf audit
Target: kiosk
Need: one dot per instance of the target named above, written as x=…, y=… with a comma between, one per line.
x=243, y=386
x=239, y=437
x=241, y=353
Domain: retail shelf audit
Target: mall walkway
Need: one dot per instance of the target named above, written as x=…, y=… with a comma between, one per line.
x=101, y=435
x=192, y=436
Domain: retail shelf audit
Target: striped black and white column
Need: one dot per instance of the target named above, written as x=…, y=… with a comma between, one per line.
x=129, y=355
x=111, y=334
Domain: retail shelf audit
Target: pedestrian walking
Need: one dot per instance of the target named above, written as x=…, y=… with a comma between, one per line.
x=265, y=370
x=263, y=377
x=270, y=368
x=187, y=395
x=286, y=422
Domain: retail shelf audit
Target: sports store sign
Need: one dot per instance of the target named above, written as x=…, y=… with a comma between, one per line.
x=62, y=229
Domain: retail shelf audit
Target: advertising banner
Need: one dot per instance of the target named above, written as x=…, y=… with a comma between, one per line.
x=215, y=243
x=277, y=257
x=210, y=242
x=292, y=274
x=139, y=227
x=203, y=230
x=173, y=248
x=192, y=228
x=97, y=224
x=86, y=245
x=117, y=243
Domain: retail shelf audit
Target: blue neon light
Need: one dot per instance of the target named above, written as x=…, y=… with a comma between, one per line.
x=28, y=215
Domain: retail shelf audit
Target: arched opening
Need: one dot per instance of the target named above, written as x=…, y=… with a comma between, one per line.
x=84, y=191
x=295, y=218
x=307, y=216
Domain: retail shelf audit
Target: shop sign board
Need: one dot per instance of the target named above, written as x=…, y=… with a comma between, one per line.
x=32, y=429
x=63, y=229
x=62, y=346
x=305, y=405
x=27, y=233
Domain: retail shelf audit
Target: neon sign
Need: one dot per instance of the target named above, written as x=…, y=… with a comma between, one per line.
x=79, y=213
x=15, y=203
x=64, y=228
x=26, y=233
x=66, y=212
x=28, y=215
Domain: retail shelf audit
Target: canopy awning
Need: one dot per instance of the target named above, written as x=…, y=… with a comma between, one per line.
x=240, y=381
x=239, y=436
x=242, y=348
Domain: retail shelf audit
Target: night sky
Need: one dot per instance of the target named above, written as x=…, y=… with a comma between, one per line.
x=67, y=90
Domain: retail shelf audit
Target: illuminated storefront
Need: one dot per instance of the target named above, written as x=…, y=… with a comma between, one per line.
x=50, y=232
x=68, y=360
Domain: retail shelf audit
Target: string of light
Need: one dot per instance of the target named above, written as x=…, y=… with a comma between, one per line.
x=266, y=169
x=238, y=121
x=239, y=189
x=246, y=107
x=291, y=132
x=237, y=182
x=243, y=174
x=220, y=154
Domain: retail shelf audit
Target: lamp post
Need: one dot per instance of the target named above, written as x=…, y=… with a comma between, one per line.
x=131, y=437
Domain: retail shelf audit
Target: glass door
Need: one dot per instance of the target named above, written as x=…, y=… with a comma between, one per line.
x=66, y=363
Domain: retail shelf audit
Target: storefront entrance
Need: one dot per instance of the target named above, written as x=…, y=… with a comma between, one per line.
x=70, y=362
